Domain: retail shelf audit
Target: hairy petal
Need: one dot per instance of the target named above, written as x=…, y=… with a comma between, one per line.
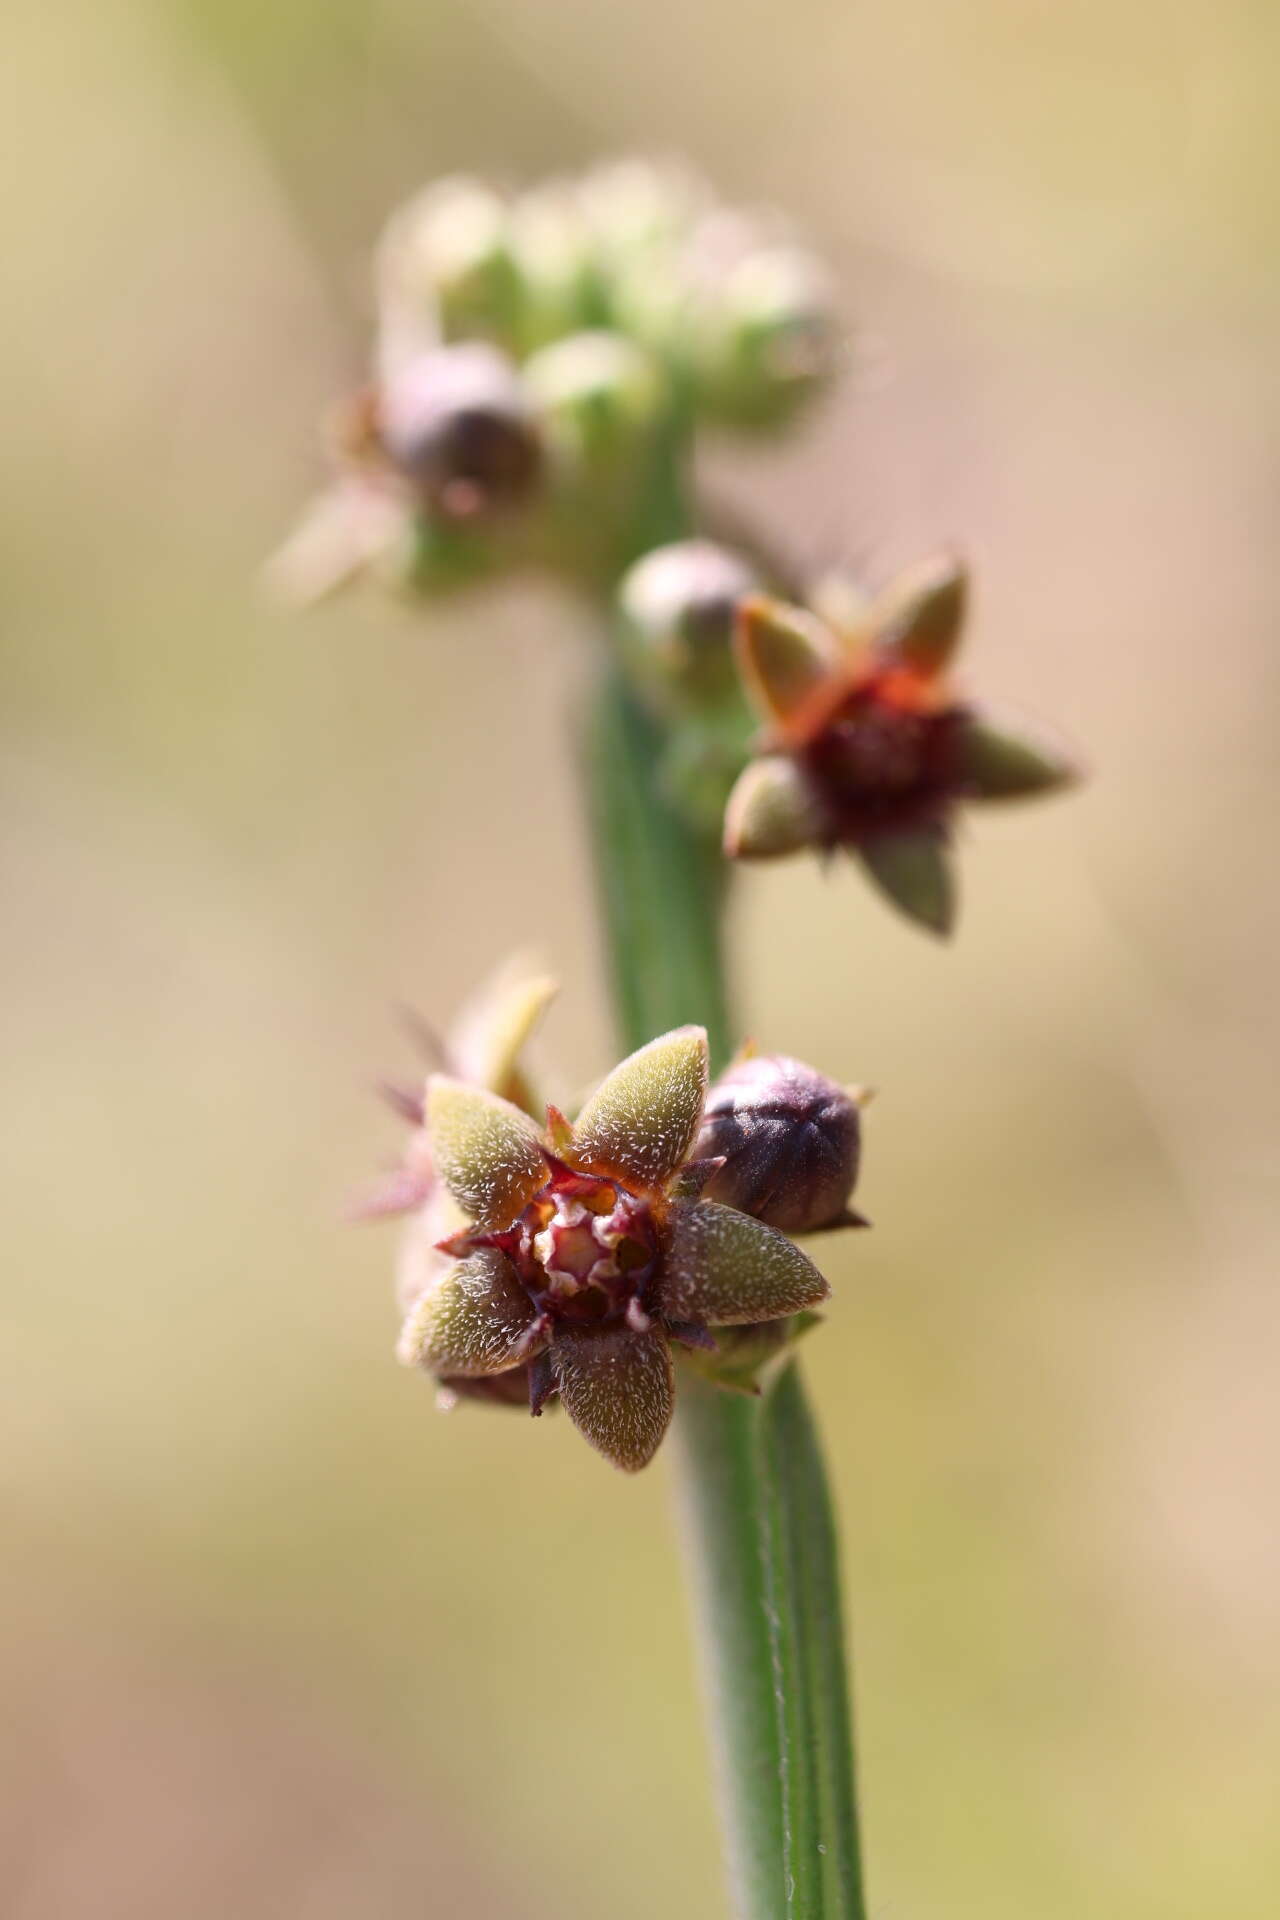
x=489, y=1034
x=485, y=1150
x=772, y=810
x=617, y=1388
x=922, y=614
x=913, y=868
x=639, y=1124
x=785, y=655
x=725, y=1269
x=1001, y=761
x=476, y=1319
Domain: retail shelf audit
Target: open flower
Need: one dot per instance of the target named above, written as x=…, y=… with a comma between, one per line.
x=588, y=1249
x=868, y=746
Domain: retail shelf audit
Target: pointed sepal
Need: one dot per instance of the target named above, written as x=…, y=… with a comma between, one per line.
x=725, y=1269
x=998, y=761
x=786, y=656
x=477, y=1319
x=744, y=1357
x=485, y=1150
x=617, y=1388
x=921, y=617
x=495, y=1026
x=772, y=811
x=639, y=1124
x=912, y=868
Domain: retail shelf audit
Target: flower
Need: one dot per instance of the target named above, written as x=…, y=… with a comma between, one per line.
x=867, y=745
x=484, y=1046
x=588, y=1248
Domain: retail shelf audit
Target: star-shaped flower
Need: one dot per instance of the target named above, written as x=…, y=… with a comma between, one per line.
x=867, y=744
x=588, y=1249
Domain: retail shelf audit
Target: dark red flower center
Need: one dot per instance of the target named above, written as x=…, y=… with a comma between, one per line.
x=586, y=1250
x=884, y=760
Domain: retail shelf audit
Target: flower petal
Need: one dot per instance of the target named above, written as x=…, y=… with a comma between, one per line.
x=725, y=1269
x=490, y=1033
x=785, y=655
x=485, y=1150
x=921, y=615
x=913, y=868
x=639, y=1124
x=617, y=1388
x=1002, y=762
x=475, y=1320
x=772, y=810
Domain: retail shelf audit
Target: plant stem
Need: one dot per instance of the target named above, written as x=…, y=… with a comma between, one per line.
x=760, y=1539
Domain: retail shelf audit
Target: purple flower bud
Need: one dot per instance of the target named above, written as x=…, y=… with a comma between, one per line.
x=789, y=1139
x=455, y=421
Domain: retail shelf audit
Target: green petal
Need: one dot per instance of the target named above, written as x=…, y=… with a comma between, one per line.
x=771, y=811
x=913, y=870
x=784, y=653
x=617, y=1388
x=999, y=762
x=725, y=1269
x=474, y=1321
x=922, y=614
x=640, y=1122
x=492, y=1030
x=485, y=1150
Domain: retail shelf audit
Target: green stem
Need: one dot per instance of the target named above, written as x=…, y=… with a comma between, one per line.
x=760, y=1539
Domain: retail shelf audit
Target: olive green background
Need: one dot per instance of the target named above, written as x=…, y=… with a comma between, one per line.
x=278, y=1640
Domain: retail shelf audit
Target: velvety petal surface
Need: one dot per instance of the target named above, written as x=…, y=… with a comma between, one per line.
x=922, y=614
x=640, y=1122
x=772, y=811
x=489, y=1034
x=913, y=869
x=1001, y=761
x=725, y=1269
x=785, y=654
x=474, y=1320
x=485, y=1150
x=617, y=1388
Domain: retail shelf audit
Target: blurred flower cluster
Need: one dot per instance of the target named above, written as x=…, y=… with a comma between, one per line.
x=536, y=357
x=562, y=1259
x=543, y=363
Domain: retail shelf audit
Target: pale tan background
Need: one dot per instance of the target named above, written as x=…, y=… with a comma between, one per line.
x=281, y=1642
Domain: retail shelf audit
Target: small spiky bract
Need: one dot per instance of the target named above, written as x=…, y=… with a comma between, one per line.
x=867, y=745
x=588, y=1248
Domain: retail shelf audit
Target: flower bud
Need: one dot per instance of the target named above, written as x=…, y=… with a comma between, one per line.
x=446, y=259
x=564, y=285
x=766, y=339
x=597, y=395
x=789, y=1139
x=678, y=605
x=455, y=421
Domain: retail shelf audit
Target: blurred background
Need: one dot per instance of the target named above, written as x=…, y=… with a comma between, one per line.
x=279, y=1640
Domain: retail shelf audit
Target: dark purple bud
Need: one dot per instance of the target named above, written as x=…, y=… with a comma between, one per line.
x=456, y=422
x=789, y=1138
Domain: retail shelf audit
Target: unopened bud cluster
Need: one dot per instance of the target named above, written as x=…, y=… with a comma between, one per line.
x=530, y=351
